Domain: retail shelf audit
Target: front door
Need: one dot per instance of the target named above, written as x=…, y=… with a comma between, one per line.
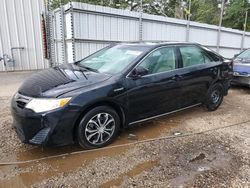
x=157, y=92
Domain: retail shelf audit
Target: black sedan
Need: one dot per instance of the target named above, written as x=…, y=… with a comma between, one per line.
x=89, y=101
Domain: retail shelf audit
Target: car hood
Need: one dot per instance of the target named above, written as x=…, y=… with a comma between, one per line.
x=59, y=80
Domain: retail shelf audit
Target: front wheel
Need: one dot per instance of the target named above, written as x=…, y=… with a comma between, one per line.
x=214, y=97
x=98, y=128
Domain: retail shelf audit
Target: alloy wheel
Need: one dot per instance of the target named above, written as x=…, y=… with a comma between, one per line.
x=100, y=128
x=215, y=96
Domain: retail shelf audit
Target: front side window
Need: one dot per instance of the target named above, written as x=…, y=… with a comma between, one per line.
x=160, y=60
x=113, y=60
x=193, y=56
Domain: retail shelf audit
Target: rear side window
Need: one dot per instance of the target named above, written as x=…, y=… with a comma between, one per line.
x=192, y=55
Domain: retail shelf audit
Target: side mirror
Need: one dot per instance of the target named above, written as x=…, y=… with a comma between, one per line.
x=139, y=72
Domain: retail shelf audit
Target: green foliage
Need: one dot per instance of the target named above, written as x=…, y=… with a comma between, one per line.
x=205, y=11
x=235, y=14
x=57, y=3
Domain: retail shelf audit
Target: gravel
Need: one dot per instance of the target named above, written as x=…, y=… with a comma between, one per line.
x=9, y=141
x=218, y=158
x=181, y=164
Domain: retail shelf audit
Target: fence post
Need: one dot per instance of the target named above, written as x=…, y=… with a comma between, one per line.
x=220, y=23
x=244, y=32
x=49, y=20
x=72, y=30
x=188, y=31
x=218, y=40
x=242, y=41
x=140, y=22
x=62, y=28
x=188, y=23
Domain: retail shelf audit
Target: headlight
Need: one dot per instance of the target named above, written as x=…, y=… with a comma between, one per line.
x=43, y=105
x=236, y=74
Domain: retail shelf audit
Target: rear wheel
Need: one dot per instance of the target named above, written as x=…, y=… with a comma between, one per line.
x=214, y=97
x=98, y=128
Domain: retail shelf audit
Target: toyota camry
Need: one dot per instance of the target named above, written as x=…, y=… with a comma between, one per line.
x=91, y=100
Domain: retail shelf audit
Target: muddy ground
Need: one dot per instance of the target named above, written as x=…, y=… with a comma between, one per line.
x=198, y=149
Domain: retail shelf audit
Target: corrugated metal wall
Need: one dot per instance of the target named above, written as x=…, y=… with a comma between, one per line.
x=91, y=27
x=20, y=26
x=80, y=29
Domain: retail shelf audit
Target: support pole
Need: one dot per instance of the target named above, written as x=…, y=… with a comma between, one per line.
x=63, y=29
x=188, y=23
x=140, y=21
x=220, y=23
x=72, y=31
x=244, y=32
x=49, y=27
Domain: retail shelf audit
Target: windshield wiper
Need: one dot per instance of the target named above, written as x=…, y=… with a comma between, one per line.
x=76, y=63
x=89, y=68
x=85, y=67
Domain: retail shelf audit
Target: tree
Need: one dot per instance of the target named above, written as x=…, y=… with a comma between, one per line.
x=160, y=7
x=235, y=14
x=57, y=3
x=205, y=11
x=157, y=7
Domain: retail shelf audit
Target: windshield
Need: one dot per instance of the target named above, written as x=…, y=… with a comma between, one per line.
x=112, y=60
x=245, y=54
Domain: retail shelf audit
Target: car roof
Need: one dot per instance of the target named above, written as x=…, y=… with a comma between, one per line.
x=156, y=43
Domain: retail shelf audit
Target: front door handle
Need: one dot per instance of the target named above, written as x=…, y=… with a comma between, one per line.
x=119, y=89
x=176, y=77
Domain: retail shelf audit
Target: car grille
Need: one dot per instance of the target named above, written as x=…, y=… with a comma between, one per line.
x=21, y=100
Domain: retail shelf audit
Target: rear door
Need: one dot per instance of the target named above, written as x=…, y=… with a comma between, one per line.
x=197, y=71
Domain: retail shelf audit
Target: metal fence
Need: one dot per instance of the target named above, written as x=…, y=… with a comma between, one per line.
x=81, y=29
x=75, y=30
x=21, y=35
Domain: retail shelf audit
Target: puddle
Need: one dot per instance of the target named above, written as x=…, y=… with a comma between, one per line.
x=147, y=130
x=135, y=171
x=56, y=165
x=143, y=131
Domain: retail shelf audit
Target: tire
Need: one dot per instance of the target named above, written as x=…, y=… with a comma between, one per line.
x=98, y=128
x=214, y=97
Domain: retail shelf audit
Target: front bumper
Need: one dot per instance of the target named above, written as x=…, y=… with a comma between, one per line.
x=51, y=128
